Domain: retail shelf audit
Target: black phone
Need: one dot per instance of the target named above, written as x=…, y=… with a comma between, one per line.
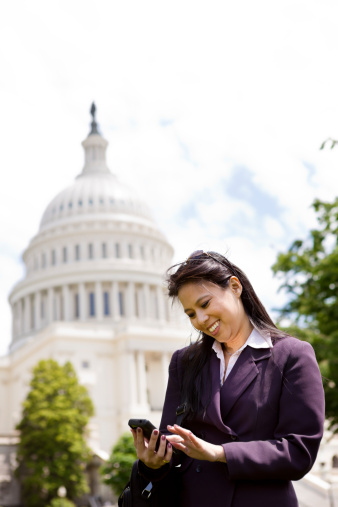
x=147, y=428
x=144, y=424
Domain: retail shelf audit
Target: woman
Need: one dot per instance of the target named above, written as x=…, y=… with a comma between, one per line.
x=254, y=401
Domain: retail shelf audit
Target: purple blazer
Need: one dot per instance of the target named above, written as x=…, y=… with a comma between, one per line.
x=268, y=416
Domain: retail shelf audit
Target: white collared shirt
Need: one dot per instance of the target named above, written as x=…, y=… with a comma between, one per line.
x=256, y=340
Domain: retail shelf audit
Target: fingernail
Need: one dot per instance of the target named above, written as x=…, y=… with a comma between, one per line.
x=155, y=432
x=169, y=445
x=163, y=437
x=138, y=430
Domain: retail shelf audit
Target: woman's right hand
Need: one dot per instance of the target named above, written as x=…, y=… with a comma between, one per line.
x=146, y=450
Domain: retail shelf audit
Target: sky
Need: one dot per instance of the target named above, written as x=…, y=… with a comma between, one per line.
x=214, y=111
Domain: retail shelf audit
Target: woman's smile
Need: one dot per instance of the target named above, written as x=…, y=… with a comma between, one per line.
x=212, y=329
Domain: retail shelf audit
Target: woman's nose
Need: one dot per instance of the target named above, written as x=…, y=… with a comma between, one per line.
x=201, y=318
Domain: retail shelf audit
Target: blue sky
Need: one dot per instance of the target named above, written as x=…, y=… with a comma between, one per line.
x=214, y=111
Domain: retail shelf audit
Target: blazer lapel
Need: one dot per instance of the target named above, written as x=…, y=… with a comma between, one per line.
x=243, y=373
x=214, y=409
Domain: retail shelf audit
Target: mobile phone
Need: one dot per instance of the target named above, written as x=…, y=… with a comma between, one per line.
x=147, y=428
x=144, y=424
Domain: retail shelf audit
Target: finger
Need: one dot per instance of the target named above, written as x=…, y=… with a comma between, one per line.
x=181, y=447
x=133, y=432
x=139, y=438
x=182, y=431
x=153, y=440
x=162, y=447
x=175, y=438
x=169, y=453
x=171, y=428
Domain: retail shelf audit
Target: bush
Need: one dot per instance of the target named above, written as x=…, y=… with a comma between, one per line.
x=116, y=471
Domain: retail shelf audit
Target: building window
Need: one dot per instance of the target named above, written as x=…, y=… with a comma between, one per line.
x=77, y=306
x=117, y=250
x=91, y=304
x=121, y=303
x=43, y=260
x=90, y=251
x=64, y=254
x=130, y=251
x=36, y=263
x=106, y=310
x=142, y=251
x=53, y=258
x=104, y=250
x=77, y=252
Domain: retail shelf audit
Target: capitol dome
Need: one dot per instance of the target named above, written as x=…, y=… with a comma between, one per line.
x=98, y=255
x=95, y=191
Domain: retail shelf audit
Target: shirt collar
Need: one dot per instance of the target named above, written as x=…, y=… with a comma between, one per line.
x=256, y=340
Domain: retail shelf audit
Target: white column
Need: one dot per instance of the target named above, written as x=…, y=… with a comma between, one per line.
x=14, y=321
x=114, y=303
x=37, y=310
x=82, y=301
x=27, y=325
x=66, y=303
x=160, y=302
x=98, y=300
x=146, y=290
x=140, y=304
x=50, y=305
x=20, y=317
x=165, y=360
x=132, y=379
x=130, y=300
x=142, y=379
x=57, y=305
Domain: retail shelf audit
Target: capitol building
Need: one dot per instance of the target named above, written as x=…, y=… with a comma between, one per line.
x=94, y=294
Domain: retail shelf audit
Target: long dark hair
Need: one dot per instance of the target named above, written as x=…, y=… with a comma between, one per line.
x=215, y=268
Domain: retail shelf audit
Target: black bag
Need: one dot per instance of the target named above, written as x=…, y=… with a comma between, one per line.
x=139, y=492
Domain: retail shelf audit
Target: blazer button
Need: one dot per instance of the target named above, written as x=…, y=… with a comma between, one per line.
x=233, y=437
x=198, y=468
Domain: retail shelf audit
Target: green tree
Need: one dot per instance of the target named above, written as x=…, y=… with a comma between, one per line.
x=52, y=451
x=309, y=274
x=117, y=470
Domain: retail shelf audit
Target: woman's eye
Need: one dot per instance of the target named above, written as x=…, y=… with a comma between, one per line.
x=191, y=315
x=204, y=305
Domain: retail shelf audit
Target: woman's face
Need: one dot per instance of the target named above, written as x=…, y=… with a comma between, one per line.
x=215, y=311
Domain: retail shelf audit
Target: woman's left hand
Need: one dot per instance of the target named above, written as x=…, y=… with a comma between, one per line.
x=193, y=446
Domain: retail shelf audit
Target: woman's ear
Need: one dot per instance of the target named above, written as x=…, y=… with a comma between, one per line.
x=236, y=286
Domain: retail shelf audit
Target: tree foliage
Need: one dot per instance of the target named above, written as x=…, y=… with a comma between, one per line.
x=52, y=451
x=117, y=470
x=309, y=274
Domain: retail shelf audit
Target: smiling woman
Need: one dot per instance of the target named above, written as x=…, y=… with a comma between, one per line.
x=253, y=397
